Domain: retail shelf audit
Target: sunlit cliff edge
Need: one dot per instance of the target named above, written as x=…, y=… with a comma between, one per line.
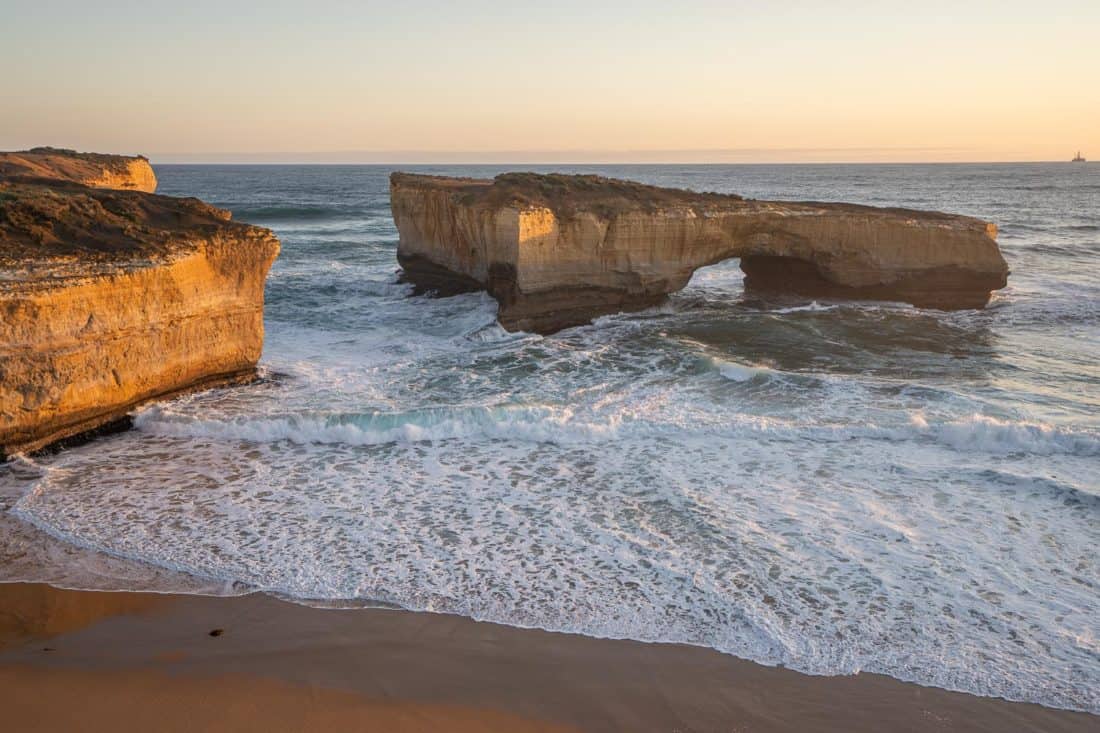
x=558, y=250
x=112, y=298
x=128, y=173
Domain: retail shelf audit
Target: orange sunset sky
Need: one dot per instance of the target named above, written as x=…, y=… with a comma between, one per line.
x=564, y=81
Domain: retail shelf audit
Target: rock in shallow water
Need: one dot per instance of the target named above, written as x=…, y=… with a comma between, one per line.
x=110, y=299
x=558, y=250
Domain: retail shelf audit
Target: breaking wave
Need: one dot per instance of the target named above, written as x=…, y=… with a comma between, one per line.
x=505, y=422
x=990, y=435
x=562, y=425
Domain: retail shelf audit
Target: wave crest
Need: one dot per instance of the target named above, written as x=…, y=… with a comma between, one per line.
x=563, y=426
x=538, y=424
x=990, y=435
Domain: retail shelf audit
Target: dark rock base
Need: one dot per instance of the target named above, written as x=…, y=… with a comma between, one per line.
x=944, y=288
x=52, y=438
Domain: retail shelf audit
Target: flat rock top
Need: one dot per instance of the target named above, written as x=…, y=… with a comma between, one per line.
x=51, y=229
x=566, y=195
x=67, y=165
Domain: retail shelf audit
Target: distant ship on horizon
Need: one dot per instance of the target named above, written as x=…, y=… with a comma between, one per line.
x=1079, y=158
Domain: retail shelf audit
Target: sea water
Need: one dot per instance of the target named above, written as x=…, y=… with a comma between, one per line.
x=828, y=486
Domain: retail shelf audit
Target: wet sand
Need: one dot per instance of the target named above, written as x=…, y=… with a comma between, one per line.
x=73, y=660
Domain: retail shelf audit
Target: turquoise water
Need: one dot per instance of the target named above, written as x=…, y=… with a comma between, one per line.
x=829, y=486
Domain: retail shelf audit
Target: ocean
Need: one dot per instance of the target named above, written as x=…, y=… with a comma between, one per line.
x=827, y=486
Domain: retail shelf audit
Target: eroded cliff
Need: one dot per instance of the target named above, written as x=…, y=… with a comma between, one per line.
x=558, y=250
x=109, y=299
x=123, y=172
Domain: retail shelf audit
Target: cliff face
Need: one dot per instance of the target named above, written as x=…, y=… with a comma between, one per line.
x=92, y=169
x=557, y=251
x=109, y=299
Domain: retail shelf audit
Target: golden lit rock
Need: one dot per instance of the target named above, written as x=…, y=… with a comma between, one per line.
x=110, y=299
x=128, y=173
x=558, y=250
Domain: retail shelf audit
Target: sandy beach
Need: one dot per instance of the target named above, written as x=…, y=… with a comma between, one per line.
x=96, y=661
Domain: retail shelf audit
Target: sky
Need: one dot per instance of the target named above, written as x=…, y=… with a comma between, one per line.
x=562, y=81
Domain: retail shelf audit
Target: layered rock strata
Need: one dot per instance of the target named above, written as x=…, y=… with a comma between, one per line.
x=110, y=299
x=127, y=173
x=558, y=250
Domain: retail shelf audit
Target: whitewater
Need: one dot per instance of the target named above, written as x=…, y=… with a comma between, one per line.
x=828, y=486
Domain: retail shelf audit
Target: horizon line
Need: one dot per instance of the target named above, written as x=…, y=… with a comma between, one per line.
x=684, y=156
x=155, y=160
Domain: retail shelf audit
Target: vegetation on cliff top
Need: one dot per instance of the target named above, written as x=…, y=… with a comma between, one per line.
x=46, y=222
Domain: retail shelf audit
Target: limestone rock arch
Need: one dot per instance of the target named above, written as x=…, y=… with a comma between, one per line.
x=557, y=250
